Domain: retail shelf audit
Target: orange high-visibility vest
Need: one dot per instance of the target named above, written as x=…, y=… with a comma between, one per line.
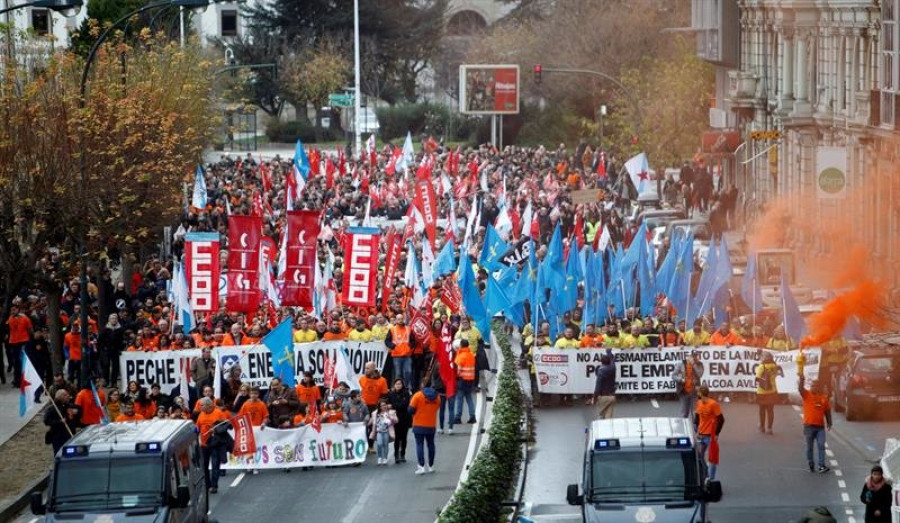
x=400, y=337
x=465, y=365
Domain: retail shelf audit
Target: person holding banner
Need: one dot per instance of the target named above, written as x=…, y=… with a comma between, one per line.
x=400, y=341
x=212, y=448
x=203, y=369
x=281, y=401
x=255, y=408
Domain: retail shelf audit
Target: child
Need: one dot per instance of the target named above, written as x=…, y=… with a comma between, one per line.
x=259, y=413
x=383, y=430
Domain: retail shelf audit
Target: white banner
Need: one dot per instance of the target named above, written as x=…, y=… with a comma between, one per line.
x=255, y=361
x=649, y=371
x=304, y=447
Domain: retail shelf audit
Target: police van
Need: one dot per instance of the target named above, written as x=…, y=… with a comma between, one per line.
x=643, y=469
x=134, y=471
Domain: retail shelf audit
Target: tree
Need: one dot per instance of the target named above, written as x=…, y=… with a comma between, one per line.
x=138, y=136
x=261, y=88
x=311, y=74
x=400, y=35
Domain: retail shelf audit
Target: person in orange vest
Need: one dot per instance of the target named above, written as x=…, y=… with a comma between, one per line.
x=401, y=342
x=424, y=407
x=91, y=413
x=256, y=408
x=212, y=447
x=128, y=414
x=72, y=343
x=465, y=381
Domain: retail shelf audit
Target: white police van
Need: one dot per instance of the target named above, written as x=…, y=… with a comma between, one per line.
x=145, y=471
x=643, y=469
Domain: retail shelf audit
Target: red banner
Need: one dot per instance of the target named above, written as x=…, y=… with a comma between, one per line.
x=420, y=324
x=360, y=266
x=451, y=295
x=427, y=205
x=299, y=274
x=390, y=267
x=201, y=270
x=243, y=263
x=244, y=442
x=444, y=358
x=268, y=250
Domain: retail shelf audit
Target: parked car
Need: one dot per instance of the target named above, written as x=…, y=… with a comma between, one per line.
x=869, y=382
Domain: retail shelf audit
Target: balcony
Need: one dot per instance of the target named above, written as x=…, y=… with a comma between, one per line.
x=742, y=90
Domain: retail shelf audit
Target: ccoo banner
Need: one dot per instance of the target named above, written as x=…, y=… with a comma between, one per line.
x=649, y=371
x=304, y=447
x=361, y=252
x=201, y=269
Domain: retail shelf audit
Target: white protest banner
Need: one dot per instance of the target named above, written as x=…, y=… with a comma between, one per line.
x=304, y=447
x=161, y=367
x=256, y=360
x=649, y=371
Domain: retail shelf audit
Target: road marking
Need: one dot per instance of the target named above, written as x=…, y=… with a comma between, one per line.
x=838, y=473
x=362, y=501
x=851, y=519
x=849, y=511
x=238, y=479
x=654, y=403
x=845, y=497
x=833, y=462
x=842, y=484
x=829, y=453
x=473, y=438
x=34, y=520
x=796, y=407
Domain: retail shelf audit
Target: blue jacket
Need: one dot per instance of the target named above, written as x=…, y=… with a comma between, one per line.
x=606, y=378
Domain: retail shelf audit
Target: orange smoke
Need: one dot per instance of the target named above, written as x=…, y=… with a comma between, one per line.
x=864, y=301
x=769, y=231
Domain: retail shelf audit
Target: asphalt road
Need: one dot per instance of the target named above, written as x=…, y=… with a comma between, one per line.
x=764, y=478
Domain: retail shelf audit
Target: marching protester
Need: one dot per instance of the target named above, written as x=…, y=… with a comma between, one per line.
x=876, y=496
x=605, y=385
x=424, y=407
x=687, y=377
x=465, y=382
x=816, y=420
x=708, y=423
x=766, y=392
x=63, y=419
x=383, y=430
x=212, y=425
x=399, y=399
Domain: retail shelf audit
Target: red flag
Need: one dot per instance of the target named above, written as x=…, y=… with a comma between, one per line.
x=316, y=422
x=342, y=162
x=420, y=325
x=244, y=234
x=266, y=177
x=314, y=162
x=451, y=295
x=329, y=377
x=244, y=441
x=392, y=162
x=425, y=170
x=329, y=173
x=445, y=361
x=302, y=231
x=392, y=259
x=201, y=270
x=579, y=229
x=713, y=457
x=360, y=266
x=430, y=145
x=426, y=202
x=256, y=208
x=267, y=250
x=601, y=165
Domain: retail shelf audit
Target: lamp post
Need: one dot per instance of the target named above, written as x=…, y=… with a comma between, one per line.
x=357, y=103
x=195, y=5
x=602, y=113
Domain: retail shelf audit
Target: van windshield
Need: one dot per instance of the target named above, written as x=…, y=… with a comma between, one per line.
x=642, y=477
x=108, y=484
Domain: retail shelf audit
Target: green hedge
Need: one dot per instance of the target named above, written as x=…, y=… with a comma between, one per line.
x=289, y=132
x=422, y=119
x=493, y=474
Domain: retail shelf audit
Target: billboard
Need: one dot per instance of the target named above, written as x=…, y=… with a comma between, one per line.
x=489, y=89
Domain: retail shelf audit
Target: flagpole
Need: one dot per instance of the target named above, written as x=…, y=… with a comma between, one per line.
x=56, y=408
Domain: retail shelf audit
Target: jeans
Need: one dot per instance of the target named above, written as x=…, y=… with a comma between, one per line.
x=424, y=435
x=464, y=393
x=704, y=445
x=816, y=434
x=14, y=360
x=212, y=456
x=403, y=369
x=451, y=404
x=382, y=444
x=687, y=402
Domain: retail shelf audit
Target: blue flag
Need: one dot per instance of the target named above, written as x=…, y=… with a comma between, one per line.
x=568, y=294
x=528, y=279
x=667, y=269
x=494, y=247
x=646, y=268
x=615, y=294
x=495, y=298
x=472, y=298
x=721, y=292
x=446, y=260
x=705, y=292
x=104, y=419
x=301, y=167
x=750, y=289
x=281, y=346
x=679, y=290
x=794, y=325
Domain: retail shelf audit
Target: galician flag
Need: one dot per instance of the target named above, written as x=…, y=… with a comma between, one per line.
x=639, y=171
x=30, y=386
x=301, y=168
x=198, y=199
x=408, y=156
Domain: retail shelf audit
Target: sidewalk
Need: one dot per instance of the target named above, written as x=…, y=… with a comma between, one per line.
x=10, y=422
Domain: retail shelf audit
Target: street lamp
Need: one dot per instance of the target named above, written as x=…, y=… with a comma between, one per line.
x=196, y=6
x=64, y=7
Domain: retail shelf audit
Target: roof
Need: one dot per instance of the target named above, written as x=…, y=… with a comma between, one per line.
x=631, y=432
x=123, y=436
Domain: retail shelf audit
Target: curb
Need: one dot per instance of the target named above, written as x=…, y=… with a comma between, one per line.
x=9, y=511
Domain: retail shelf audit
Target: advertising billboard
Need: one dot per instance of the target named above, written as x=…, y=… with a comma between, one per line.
x=489, y=89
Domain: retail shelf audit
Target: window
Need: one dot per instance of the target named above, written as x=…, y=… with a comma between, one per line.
x=643, y=476
x=107, y=484
x=40, y=21
x=890, y=53
x=229, y=22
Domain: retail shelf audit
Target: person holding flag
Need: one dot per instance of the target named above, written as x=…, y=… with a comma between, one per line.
x=92, y=403
x=62, y=421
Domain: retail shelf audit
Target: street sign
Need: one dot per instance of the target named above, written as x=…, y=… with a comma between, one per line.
x=340, y=100
x=765, y=135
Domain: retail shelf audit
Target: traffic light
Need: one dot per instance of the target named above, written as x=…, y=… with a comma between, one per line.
x=537, y=73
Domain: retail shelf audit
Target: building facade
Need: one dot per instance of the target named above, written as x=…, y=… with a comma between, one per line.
x=814, y=99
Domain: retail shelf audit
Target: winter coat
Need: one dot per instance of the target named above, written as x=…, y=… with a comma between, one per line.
x=392, y=419
x=877, y=500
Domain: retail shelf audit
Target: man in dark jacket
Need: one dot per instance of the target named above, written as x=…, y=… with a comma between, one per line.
x=63, y=420
x=687, y=379
x=605, y=387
